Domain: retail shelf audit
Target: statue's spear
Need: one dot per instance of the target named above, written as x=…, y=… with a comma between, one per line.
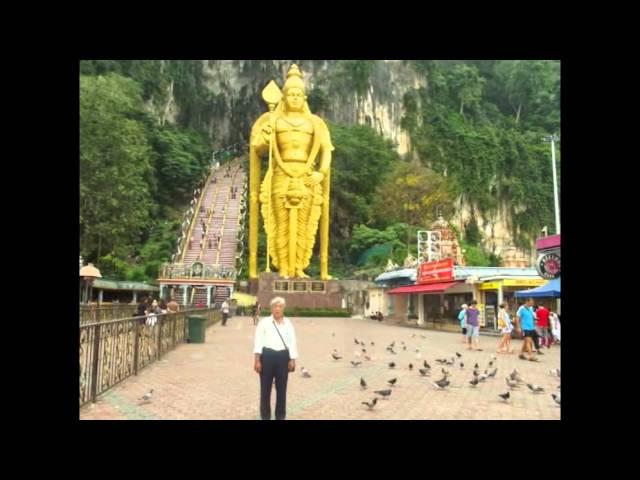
x=272, y=95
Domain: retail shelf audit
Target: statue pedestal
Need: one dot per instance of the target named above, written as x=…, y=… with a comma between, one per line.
x=300, y=293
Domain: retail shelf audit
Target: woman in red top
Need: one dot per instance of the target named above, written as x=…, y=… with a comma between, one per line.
x=542, y=325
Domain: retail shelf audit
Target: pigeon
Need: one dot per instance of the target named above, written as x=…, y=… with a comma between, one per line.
x=394, y=353
x=363, y=384
x=476, y=365
x=476, y=373
x=474, y=381
x=411, y=366
x=458, y=355
x=417, y=350
x=535, y=388
x=372, y=404
x=510, y=383
x=335, y=357
x=333, y=334
x=442, y=384
x=493, y=357
x=556, y=398
x=491, y=363
x=426, y=365
x=515, y=375
x=404, y=347
x=392, y=382
x=305, y=373
x=392, y=365
x=372, y=344
x=504, y=396
x=384, y=393
x=355, y=364
x=147, y=396
x=445, y=372
x=441, y=360
x=482, y=377
x=554, y=372
x=493, y=372
x=356, y=341
x=364, y=350
x=401, y=342
x=367, y=357
x=461, y=365
x=423, y=371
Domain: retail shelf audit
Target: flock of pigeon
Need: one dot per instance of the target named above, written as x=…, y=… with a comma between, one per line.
x=513, y=381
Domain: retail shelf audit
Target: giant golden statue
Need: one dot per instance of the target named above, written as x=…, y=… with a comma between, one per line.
x=294, y=194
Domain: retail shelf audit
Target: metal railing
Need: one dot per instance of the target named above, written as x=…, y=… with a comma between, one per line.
x=94, y=313
x=111, y=351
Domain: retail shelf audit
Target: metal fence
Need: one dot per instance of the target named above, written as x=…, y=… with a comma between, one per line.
x=111, y=351
x=92, y=313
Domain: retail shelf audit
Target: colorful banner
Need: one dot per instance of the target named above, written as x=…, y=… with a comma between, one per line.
x=435, y=272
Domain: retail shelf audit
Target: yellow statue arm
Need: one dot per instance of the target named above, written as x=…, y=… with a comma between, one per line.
x=257, y=138
x=325, y=168
x=258, y=147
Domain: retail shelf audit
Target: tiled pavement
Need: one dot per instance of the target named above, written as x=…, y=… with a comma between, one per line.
x=215, y=380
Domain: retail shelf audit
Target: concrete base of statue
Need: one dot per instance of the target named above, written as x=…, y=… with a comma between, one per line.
x=299, y=292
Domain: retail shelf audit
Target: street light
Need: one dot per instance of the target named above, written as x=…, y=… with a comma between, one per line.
x=553, y=138
x=89, y=273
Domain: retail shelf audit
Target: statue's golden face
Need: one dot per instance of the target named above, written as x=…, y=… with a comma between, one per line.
x=294, y=98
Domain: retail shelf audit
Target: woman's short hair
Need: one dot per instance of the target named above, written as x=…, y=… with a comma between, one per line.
x=279, y=300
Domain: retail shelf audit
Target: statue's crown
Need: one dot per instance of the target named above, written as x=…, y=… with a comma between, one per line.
x=294, y=78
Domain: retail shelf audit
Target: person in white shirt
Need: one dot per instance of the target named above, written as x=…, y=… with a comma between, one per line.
x=225, y=312
x=275, y=350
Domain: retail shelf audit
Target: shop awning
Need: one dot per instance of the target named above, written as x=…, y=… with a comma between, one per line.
x=428, y=288
x=550, y=289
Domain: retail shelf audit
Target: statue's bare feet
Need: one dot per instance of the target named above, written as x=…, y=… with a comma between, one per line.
x=325, y=276
x=301, y=274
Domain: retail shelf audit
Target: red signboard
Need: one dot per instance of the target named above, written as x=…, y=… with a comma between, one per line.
x=433, y=272
x=545, y=243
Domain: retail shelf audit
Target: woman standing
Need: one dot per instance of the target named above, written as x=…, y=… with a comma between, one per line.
x=506, y=327
x=461, y=318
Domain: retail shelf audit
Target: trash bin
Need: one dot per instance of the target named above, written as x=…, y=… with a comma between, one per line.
x=197, y=328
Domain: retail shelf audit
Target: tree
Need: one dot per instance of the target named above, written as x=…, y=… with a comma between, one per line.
x=466, y=85
x=414, y=195
x=115, y=164
x=361, y=157
x=525, y=82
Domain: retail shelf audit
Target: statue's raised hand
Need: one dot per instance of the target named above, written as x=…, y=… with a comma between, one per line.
x=266, y=132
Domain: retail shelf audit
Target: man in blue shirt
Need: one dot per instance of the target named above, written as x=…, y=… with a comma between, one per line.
x=525, y=322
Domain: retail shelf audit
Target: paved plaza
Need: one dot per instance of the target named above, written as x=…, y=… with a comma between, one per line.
x=215, y=380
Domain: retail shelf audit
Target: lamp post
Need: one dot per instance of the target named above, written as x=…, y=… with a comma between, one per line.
x=553, y=138
x=89, y=273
